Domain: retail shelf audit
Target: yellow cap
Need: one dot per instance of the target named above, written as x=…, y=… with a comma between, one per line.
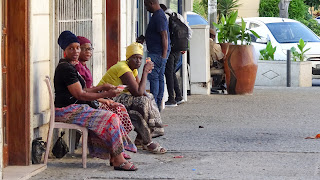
x=134, y=48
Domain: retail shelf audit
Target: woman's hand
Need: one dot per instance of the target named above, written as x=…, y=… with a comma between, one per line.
x=148, y=67
x=107, y=87
x=113, y=92
x=110, y=103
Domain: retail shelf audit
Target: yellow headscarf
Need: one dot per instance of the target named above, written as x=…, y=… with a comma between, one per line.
x=134, y=48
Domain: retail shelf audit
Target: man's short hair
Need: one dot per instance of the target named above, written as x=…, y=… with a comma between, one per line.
x=153, y=1
x=163, y=7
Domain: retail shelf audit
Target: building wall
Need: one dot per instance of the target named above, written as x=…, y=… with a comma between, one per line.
x=99, y=39
x=128, y=24
x=249, y=8
x=1, y=135
x=43, y=40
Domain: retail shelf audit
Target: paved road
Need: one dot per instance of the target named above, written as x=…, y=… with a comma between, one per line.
x=259, y=136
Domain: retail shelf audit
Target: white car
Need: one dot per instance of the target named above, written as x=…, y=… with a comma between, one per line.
x=318, y=19
x=284, y=34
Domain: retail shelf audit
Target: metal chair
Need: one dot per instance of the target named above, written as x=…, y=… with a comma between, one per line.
x=53, y=124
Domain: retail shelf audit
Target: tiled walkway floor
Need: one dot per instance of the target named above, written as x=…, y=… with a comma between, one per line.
x=22, y=172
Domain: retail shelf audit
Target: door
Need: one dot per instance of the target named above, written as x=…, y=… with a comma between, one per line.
x=5, y=116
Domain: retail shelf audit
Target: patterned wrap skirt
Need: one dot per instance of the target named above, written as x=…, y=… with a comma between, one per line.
x=122, y=113
x=144, y=115
x=106, y=134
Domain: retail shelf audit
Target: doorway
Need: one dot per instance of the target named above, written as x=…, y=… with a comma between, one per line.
x=15, y=82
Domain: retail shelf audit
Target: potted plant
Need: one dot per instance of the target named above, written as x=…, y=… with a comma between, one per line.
x=274, y=72
x=240, y=62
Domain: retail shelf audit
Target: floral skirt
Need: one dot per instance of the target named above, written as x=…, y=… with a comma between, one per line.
x=106, y=134
x=122, y=113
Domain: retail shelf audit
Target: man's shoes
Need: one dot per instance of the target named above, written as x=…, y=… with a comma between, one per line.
x=180, y=100
x=171, y=104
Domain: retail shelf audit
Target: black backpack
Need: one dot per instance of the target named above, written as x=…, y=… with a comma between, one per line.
x=178, y=33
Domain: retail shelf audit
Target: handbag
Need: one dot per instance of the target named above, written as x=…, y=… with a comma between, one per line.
x=60, y=148
x=94, y=104
x=38, y=148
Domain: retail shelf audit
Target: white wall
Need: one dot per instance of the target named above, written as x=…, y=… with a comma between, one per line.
x=43, y=42
x=99, y=53
x=249, y=8
x=128, y=24
x=40, y=62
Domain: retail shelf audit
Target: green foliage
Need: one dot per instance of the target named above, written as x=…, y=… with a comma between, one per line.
x=299, y=55
x=268, y=52
x=200, y=8
x=312, y=24
x=269, y=8
x=225, y=7
x=313, y=3
x=298, y=9
x=229, y=31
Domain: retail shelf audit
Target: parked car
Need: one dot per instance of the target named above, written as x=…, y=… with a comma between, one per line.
x=284, y=34
x=195, y=19
x=318, y=19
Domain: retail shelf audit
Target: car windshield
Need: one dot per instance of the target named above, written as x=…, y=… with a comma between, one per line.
x=291, y=32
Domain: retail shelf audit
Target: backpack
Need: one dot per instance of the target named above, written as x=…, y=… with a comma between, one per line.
x=178, y=33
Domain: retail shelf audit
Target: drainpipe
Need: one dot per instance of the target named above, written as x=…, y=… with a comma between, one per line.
x=212, y=12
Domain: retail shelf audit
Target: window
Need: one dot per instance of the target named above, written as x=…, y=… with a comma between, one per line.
x=75, y=16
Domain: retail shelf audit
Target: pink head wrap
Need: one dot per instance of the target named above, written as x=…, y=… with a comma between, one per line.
x=83, y=40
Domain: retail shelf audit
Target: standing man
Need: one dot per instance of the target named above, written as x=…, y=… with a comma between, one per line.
x=174, y=92
x=157, y=41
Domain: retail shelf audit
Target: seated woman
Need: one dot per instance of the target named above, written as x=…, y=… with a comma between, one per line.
x=140, y=105
x=106, y=134
x=107, y=104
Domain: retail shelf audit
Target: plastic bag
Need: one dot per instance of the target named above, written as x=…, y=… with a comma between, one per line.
x=38, y=148
x=60, y=148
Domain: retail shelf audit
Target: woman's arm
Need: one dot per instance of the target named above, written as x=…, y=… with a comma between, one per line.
x=76, y=91
x=103, y=87
x=135, y=87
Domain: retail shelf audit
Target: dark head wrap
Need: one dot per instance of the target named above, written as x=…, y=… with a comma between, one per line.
x=66, y=38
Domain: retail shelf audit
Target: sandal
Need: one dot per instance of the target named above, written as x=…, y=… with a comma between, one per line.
x=157, y=150
x=120, y=168
x=156, y=134
x=111, y=163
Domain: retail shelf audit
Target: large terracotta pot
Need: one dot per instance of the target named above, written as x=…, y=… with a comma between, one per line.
x=241, y=68
x=225, y=48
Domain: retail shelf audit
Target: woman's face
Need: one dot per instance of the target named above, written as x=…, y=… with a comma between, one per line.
x=135, y=61
x=86, y=52
x=73, y=51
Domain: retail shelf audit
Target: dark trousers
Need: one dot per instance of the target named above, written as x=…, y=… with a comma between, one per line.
x=171, y=78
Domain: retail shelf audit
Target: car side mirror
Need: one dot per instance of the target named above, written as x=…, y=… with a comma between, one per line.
x=262, y=40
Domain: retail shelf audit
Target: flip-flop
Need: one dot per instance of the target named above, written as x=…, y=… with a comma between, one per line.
x=120, y=168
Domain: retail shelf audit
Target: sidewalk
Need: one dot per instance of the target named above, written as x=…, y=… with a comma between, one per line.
x=259, y=136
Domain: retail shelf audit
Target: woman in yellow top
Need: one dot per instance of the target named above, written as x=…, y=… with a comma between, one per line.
x=140, y=105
